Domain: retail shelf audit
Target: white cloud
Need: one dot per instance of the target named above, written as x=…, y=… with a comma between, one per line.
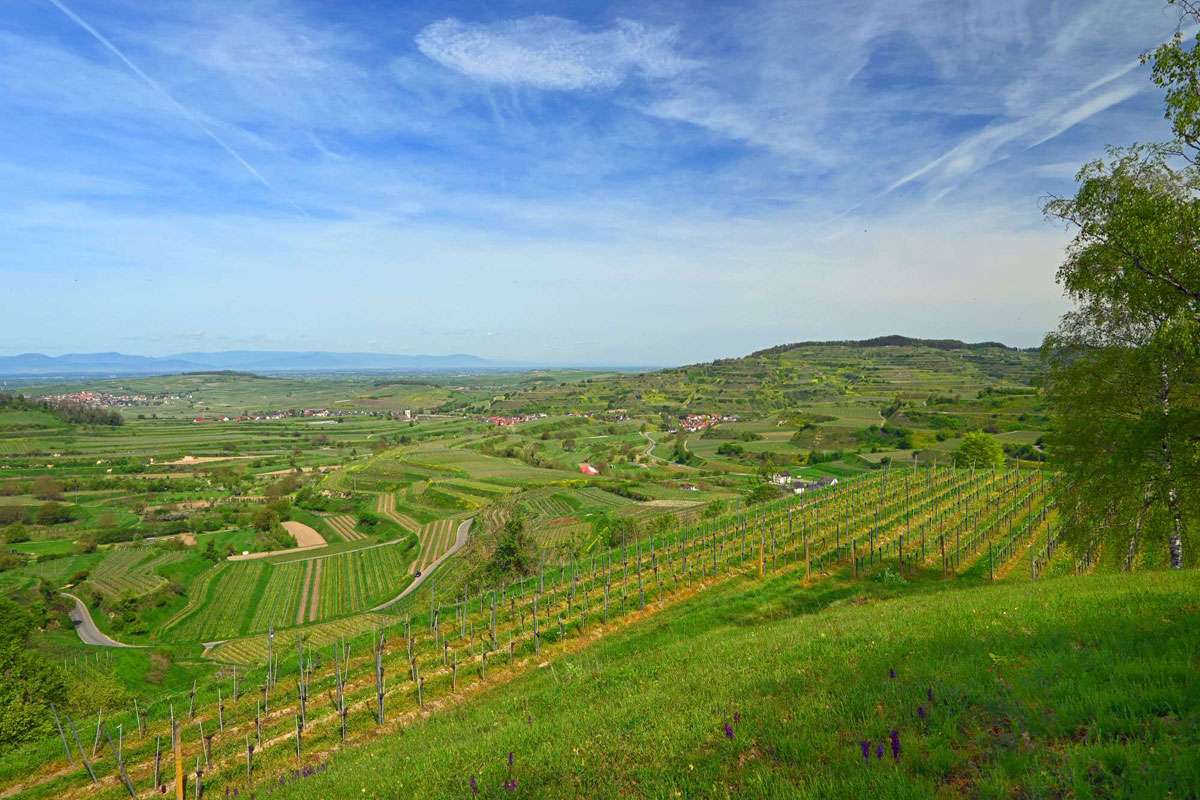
x=553, y=53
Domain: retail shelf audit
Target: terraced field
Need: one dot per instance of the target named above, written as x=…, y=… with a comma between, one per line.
x=540, y=504
x=436, y=538
x=386, y=505
x=914, y=523
x=343, y=524
x=596, y=496
x=220, y=605
x=131, y=571
x=58, y=571
x=356, y=581
x=279, y=602
x=477, y=466
x=253, y=649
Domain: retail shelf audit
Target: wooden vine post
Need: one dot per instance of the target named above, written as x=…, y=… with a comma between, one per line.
x=177, y=747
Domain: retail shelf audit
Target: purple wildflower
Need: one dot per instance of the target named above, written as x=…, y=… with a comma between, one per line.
x=728, y=731
x=921, y=712
x=737, y=716
x=510, y=759
x=892, y=674
x=474, y=785
x=879, y=751
x=865, y=746
x=510, y=785
x=929, y=694
x=895, y=737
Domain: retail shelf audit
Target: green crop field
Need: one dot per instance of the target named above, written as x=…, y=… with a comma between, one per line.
x=356, y=581
x=131, y=571
x=223, y=600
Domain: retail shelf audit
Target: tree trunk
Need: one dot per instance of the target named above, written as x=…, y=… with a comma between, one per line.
x=1175, y=541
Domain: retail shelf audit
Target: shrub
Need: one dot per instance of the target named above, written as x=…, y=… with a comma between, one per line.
x=53, y=514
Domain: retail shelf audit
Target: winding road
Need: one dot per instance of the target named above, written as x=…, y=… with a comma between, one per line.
x=86, y=627
x=460, y=541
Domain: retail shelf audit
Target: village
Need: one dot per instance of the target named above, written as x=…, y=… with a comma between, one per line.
x=93, y=399
x=293, y=413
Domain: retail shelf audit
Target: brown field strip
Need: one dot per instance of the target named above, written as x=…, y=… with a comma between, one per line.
x=314, y=602
x=308, y=570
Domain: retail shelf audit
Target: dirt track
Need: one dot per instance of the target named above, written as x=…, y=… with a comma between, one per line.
x=314, y=602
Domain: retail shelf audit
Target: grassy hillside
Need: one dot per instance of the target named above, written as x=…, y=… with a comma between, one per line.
x=845, y=403
x=1071, y=687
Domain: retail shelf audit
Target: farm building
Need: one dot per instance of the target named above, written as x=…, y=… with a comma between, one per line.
x=800, y=487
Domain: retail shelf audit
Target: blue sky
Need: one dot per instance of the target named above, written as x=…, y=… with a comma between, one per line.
x=636, y=183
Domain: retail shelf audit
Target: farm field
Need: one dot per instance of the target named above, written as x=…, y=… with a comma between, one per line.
x=246, y=597
x=939, y=545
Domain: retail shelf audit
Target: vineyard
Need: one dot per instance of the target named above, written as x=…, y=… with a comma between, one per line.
x=436, y=538
x=302, y=701
x=386, y=505
x=236, y=584
x=356, y=581
x=238, y=598
x=343, y=524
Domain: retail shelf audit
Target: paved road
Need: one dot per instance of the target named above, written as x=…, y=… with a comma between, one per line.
x=460, y=541
x=650, y=447
x=86, y=628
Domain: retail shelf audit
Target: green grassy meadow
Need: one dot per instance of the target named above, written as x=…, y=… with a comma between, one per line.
x=1079, y=687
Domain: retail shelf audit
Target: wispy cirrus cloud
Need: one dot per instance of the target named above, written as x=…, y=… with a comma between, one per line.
x=554, y=53
x=518, y=171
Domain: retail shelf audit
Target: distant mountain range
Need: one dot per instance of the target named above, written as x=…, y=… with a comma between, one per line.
x=117, y=364
x=36, y=365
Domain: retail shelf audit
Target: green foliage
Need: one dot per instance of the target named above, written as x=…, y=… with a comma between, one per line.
x=15, y=533
x=979, y=450
x=614, y=530
x=1123, y=366
x=28, y=681
x=761, y=493
x=889, y=436
x=513, y=554
x=53, y=514
x=1175, y=69
x=265, y=519
x=68, y=412
x=45, y=487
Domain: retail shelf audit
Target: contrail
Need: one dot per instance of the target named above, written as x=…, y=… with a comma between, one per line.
x=157, y=87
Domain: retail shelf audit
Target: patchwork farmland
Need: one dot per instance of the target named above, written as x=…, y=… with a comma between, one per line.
x=148, y=545
x=964, y=522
